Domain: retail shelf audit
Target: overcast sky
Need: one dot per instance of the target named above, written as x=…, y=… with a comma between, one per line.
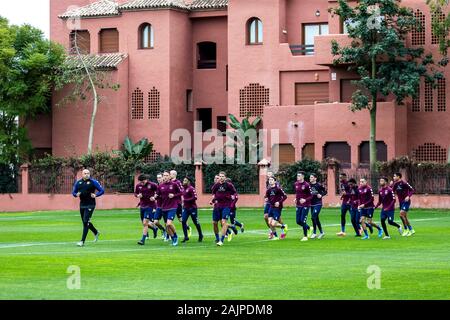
x=34, y=12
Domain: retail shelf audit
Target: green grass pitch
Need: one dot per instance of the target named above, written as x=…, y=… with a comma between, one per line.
x=37, y=248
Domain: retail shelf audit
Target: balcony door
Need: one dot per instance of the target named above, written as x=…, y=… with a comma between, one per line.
x=310, y=31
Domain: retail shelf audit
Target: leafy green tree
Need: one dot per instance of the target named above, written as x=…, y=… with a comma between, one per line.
x=29, y=66
x=378, y=53
x=441, y=27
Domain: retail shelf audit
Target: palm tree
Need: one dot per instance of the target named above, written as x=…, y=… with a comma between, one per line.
x=245, y=138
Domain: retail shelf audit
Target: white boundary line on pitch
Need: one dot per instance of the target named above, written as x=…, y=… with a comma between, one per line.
x=207, y=234
x=80, y=251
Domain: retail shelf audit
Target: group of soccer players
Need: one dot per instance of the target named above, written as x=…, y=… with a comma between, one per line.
x=357, y=200
x=170, y=198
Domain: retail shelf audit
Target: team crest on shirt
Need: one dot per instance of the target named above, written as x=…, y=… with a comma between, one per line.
x=303, y=187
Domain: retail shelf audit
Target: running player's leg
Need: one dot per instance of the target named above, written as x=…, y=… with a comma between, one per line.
x=404, y=207
x=171, y=227
x=225, y=215
x=314, y=223
x=195, y=219
x=233, y=221
x=355, y=221
x=184, y=219
x=370, y=213
x=275, y=222
x=363, y=214
x=145, y=224
x=216, y=218
x=344, y=209
x=391, y=221
x=302, y=222
x=87, y=225
x=266, y=218
x=383, y=223
x=319, y=225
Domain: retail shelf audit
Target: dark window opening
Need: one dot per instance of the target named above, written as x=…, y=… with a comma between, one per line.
x=207, y=55
x=364, y=153
x=205, y=116
x=222, y=127
x=340, y=151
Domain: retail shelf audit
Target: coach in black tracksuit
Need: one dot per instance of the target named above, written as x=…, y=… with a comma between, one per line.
x=85, y=189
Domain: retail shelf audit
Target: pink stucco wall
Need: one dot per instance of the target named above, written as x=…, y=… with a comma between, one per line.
x=313, y=124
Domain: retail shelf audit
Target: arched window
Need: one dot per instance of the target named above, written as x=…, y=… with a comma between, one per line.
x=146, y=37
x=364, y=153
x=340, y=151
x=254, y=31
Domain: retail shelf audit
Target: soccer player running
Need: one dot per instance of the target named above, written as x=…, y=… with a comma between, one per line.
x=224, y=193
x=275, y=196
x=159, y=213
x=169, y=192
x=234, y=222
x=190, y=209
x=173, y=176
x=386, y=198
x=354, y=201
x=345, y=206
x=85, y=190
x=215, y=212
x=145, y=192
x=267, y=205
x=366, y=206
x=318, y=191
x=302, y=200
x=404, y=193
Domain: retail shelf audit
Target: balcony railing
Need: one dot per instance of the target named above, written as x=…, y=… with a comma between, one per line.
x=302, y=49
x=206, y=64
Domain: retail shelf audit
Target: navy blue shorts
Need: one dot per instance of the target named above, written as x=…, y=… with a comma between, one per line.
x=275, y=213
x=216, y=214
x=387, y=215
x=170, y=214
x=224, y=213
x=147, y=213
x=266, y=208
x=367, y=212
x=158, y=214
x=404, y=206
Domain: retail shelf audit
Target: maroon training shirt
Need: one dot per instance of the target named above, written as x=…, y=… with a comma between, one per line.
x=303, y=191
x=148, y=191
x=164, y=189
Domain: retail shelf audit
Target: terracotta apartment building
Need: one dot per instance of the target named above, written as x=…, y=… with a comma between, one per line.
x=180, y=61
